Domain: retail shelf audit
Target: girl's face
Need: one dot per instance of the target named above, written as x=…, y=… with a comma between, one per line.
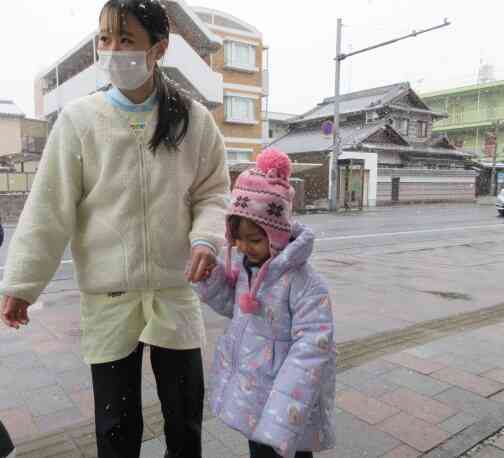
x=252, y=242
x=127, y=34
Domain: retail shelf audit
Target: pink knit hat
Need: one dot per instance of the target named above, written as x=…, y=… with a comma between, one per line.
x=263, y=195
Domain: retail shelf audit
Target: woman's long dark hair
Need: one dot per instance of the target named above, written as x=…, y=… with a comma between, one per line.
x=173, y=120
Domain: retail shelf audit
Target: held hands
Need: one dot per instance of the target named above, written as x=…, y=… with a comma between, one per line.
x=14, y=312
x=201, y=265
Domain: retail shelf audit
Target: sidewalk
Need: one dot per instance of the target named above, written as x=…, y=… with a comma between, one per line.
x=434, y=390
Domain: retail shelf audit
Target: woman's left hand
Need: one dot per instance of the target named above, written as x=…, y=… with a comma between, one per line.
x=202, y=263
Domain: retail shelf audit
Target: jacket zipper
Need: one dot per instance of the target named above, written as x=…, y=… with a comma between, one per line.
x=144, y=200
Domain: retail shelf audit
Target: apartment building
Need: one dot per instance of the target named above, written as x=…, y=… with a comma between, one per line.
x=475, y=117
x=192, y=44
x=242, y=62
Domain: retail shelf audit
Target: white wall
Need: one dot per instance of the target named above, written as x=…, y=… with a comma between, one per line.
x=10, y=136
x=371, y=165
x=187, y=61
x=80, y=85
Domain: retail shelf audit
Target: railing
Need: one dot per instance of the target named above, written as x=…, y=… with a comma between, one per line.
x=16, y=182
x=484, y=115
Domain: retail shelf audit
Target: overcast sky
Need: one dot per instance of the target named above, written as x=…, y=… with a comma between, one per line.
x=301, y=36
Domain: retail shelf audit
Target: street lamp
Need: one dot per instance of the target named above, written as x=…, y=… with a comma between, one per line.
x=336, y=147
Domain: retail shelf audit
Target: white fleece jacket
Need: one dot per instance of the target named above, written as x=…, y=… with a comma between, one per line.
x=130, y=215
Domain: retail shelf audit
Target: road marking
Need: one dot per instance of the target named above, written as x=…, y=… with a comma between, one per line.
x=380, y=234
x=423, y=231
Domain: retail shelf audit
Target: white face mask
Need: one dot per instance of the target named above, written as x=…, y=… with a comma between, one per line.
x=126, y=69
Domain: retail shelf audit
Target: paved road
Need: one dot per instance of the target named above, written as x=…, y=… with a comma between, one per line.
x=388, y=269
x=391, y=267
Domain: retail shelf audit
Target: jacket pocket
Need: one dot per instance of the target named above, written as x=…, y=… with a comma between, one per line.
x=169, y=234
x=262, y=357
x=100, y=257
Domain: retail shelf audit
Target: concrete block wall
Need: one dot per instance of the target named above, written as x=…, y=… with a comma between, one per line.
x=422, y=185
x=11, y=206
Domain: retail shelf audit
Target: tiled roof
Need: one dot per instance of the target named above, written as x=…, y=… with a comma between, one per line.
x=356, y=101
x=313, y=140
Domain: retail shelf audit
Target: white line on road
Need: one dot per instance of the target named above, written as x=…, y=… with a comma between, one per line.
x=423, y=231
x=382, y=234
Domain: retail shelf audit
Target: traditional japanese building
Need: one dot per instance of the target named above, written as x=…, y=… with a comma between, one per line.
x=393, y=124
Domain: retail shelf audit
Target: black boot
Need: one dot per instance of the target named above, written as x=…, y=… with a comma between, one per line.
x=169, y=454
x=6, y=445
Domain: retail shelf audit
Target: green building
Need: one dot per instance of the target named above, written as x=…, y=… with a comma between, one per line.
x=475, y=117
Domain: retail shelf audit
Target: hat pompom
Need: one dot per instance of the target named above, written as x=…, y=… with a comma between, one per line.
x=249, y=304
x=273, y=159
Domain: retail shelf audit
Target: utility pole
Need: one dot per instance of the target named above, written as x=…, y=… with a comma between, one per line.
x=335, y=152
x=336, y=147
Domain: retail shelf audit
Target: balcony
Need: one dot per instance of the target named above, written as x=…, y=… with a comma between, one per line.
x=181, y=63
x=184, y=65
x=80, y=85
x=470, y=119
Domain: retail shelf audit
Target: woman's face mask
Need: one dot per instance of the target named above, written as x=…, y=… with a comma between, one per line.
x=126, y=70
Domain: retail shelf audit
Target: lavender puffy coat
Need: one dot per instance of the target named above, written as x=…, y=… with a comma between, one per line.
x=273, y=376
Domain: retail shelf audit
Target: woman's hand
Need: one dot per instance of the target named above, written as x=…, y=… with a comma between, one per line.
x=14, y=312
x=202, y=263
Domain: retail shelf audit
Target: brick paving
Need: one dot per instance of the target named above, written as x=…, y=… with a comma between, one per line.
x=414, y=400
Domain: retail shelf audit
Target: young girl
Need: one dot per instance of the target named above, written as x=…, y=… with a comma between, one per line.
x=136, y=178
x=274, y=370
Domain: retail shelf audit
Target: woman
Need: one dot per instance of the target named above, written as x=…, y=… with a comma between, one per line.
x=136, y=178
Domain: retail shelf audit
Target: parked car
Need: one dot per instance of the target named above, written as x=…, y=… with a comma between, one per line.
x=7, y=449
x=500, y=203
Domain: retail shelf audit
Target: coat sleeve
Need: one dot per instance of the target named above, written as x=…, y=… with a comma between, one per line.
x=210, y=190
x=296, y=389
x=217, y=291
x=48, y=219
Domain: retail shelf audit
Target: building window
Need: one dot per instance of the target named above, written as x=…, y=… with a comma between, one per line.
x=239, y=155
x=371, y=117
x=422, y=129
x=240, y=109
x=402, y=125
x=34, y=145
x=240, y=56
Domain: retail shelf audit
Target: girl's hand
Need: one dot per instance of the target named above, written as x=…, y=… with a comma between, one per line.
x=202, y=263
x=14, y=312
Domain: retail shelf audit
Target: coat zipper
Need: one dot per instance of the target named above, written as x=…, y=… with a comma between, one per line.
x=144, y=201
